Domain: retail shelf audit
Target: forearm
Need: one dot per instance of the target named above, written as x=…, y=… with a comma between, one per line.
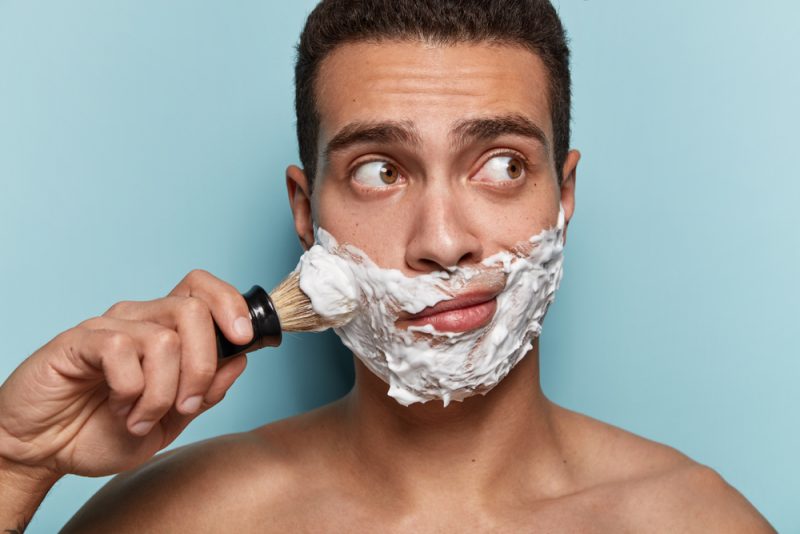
x=22, y=489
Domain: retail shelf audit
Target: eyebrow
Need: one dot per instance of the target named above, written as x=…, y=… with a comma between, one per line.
x=490, y=128
x=464, y=132
x=383, y=132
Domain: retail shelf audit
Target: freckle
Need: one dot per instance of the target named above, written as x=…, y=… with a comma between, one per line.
x=473, y=460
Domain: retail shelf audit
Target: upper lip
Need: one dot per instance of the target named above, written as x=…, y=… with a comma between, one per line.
x=462, y=301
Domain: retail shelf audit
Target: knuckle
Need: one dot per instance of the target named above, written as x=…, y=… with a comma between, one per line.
x=129, y=389
x=166, y=340
x=192, y=307
x=156, y=402
x=115, y=342
x=92, y=323
x=203, y=370
x=118, y=309
x=197, y=276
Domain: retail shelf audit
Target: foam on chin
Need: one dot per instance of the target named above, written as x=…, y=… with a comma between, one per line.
x=420, y=363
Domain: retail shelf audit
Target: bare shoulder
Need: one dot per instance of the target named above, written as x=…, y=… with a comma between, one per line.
x=656, y=487
x=237, y=480
x=693, y=498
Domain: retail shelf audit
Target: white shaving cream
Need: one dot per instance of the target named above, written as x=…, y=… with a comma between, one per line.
x=421, y=363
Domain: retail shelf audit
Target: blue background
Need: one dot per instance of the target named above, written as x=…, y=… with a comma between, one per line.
x=141, y=139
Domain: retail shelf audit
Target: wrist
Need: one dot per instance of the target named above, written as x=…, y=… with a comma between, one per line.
x=22, y=489
x=29, y=478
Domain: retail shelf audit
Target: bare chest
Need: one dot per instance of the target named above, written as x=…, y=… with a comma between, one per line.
x=346, y=514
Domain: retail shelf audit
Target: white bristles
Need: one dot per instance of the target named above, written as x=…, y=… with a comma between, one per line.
x=294, y=308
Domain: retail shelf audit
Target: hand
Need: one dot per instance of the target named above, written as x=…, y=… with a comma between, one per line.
x=106, y=395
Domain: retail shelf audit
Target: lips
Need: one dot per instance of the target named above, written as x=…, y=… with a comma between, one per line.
x=463, y=313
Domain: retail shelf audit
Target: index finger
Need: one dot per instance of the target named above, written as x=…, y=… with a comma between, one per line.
x=227, y=305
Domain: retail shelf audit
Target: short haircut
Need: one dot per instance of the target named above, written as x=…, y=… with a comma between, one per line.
x=533, y=24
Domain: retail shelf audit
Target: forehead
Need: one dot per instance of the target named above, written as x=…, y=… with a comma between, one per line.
x=432, y=86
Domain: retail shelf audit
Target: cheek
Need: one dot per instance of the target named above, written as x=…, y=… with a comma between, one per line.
x=377, y=228
x=504, y=222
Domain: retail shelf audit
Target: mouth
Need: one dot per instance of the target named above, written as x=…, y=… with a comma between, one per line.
x=465, y=312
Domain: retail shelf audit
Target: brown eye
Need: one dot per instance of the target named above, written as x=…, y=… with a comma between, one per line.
x=378, y=174
x=388, y=173
x=514, y=168
x=502, y=169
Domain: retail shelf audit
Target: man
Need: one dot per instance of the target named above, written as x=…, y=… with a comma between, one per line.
x=432, y=134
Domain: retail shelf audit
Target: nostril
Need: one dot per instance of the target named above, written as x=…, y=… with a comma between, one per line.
x=430, y=265
x=440, y=241
x=468, y=258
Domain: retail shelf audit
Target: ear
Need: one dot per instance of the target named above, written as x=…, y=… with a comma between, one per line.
x=300, y=201
x=568, y=186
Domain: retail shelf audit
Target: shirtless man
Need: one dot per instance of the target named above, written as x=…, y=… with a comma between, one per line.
x=382, y=88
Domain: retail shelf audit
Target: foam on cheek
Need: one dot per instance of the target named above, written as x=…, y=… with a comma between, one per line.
x=328, y=281
x=420, y=363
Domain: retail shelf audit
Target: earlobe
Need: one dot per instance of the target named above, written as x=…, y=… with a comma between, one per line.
x=297, y=187
x=568, y=173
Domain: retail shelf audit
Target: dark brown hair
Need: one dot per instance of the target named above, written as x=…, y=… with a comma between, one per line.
x=533, y=24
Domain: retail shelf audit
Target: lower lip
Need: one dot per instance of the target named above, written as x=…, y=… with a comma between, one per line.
x=459, y=320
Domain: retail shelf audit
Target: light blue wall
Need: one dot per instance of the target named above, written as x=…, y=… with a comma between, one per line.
x=139, y=140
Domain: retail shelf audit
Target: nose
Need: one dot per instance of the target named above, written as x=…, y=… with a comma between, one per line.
x=442, y=236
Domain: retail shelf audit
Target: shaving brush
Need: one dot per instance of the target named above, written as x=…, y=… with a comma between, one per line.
x=285, y=309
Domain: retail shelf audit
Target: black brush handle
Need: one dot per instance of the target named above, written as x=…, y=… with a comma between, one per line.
x=266, y=326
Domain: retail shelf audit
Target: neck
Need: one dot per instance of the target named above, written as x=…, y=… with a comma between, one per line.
x=509, y=436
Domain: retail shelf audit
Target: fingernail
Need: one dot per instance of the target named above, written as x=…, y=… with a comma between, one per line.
x=142, y=427
x=192, y=404
x=243, y=327
x=125, y=410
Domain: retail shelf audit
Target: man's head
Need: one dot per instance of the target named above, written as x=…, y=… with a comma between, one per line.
x=530, y=24
x=435, y=132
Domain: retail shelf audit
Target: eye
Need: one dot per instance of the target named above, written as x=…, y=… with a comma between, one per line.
x=501, y=169
x=376, y=174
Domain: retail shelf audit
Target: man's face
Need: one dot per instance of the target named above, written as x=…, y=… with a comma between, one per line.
x=432, y=156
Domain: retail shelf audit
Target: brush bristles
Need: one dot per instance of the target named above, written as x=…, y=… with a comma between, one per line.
x=294, y=308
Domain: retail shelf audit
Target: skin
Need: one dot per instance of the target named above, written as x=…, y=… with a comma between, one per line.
x=510, y=461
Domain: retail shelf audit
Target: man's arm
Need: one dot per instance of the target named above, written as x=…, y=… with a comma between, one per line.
x=225, y=483
x=22, y=489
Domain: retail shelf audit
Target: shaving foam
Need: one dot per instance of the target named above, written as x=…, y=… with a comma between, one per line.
x=420, y=363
